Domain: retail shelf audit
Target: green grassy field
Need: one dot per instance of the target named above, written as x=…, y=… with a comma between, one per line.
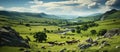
x=24, y=31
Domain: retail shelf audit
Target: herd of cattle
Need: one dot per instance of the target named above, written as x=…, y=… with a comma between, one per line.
x=90, y=42
x=82, y=46
x=63, y=43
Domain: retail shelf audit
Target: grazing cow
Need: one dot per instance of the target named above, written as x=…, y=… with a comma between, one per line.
x=62, y=37
x=60, y=43
x=57, y=43
x=72, y=41
x=51, y=42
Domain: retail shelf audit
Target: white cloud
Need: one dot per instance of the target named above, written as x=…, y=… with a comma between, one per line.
x=110, y=2
x=104, y=9
x=2, y=8
x=83, y=6
x=50, y=5
x=23, y=9
x=92, y=4
x=61, y=6
x=36, y=2
x=20, y=9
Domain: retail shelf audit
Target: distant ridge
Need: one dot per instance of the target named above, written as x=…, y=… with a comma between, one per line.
x=112, y=14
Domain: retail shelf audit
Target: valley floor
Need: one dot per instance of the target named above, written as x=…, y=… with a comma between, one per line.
x=37, y=47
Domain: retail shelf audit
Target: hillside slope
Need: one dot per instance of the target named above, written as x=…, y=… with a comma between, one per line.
x=92, y=17
x=112, y=14
x=9, y=17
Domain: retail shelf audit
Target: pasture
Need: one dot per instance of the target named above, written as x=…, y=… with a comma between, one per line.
x=51, y=37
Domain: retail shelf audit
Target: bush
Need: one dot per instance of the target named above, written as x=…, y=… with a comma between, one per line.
x=84, y=27
x=48, y=31
x=73, y=30
x=28, y=25
x=78, y=27
x=92, y=24
x=78, y=31
x=102, y=32
x=45, y=29
x=40, y=36
x=93, y=31
x=58, y=29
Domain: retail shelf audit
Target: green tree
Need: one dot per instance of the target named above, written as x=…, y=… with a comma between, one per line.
x=73, y=30
x=93, y=31
x=102, y=32
x=58, y=29
x=45, y=29
x=40, y=36
x=78, y=27
x=78, y=31
x=84, y=27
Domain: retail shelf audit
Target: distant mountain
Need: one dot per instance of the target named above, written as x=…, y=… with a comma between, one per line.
x=67, y=16
x=39, y=15
x=112, y=14
x=8, y=17
x=19, y=14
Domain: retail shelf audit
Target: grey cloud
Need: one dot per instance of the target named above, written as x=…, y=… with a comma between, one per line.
x=74, y=4
x=116, y=4
x=113, y=3
x=102, y=2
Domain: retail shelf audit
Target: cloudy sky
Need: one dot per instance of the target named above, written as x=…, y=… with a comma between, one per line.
x=66, y=7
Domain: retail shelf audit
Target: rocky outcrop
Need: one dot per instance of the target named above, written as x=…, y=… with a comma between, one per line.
x=84, y=46
x=112, y=32
x=9, y=37
x=89, y=40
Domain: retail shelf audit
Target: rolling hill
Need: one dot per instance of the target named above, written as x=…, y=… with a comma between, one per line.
x=112, y=14
x=10, y=17
x=92, y=17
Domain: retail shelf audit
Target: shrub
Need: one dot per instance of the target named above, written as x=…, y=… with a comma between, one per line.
x=40, y=36
x=78, y=31
x=93, y=31
x=45, y=29
x=58, y=29
x=73, y=30
x=102, y=32
x=84, y=27
x=28, y=25
x=78, y=27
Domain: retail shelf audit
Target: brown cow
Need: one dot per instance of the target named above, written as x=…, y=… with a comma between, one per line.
x=51, y=42
x=59, y=43
x=72, y=41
